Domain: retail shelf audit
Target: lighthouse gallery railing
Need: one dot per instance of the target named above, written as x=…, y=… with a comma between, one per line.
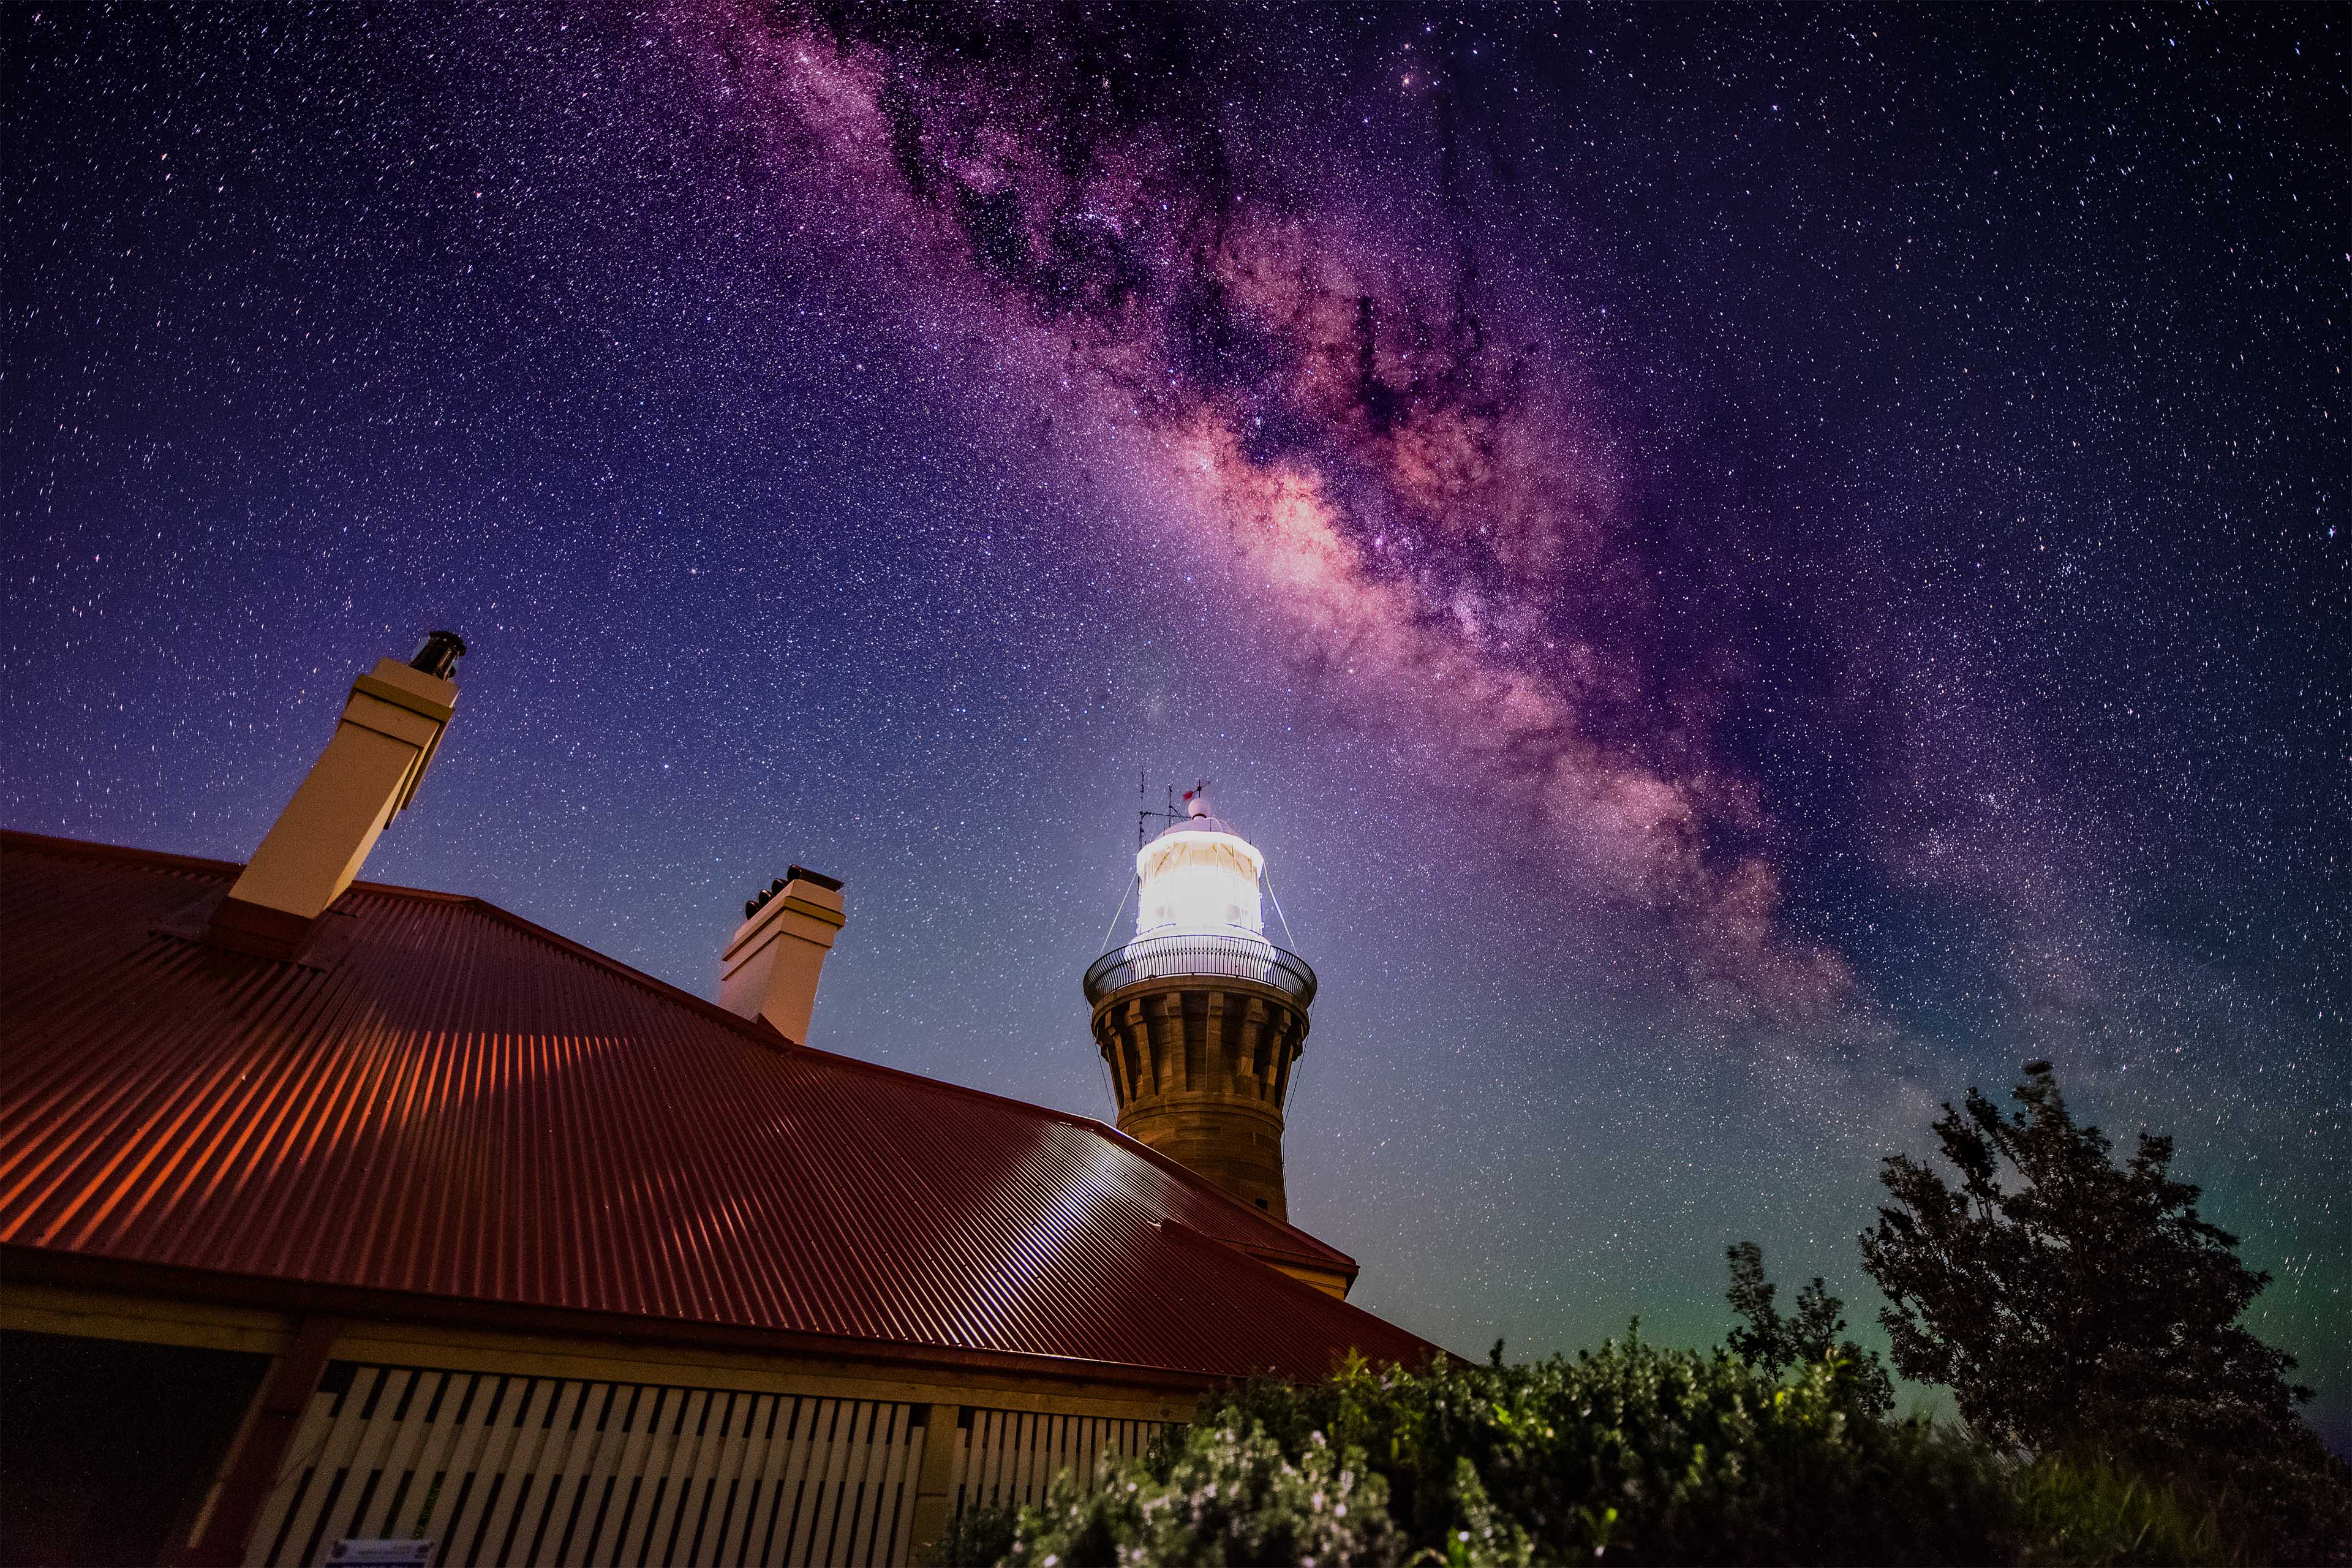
x=1213, y=957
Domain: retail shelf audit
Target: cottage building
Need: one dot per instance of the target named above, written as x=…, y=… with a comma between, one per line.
x=332, y=1212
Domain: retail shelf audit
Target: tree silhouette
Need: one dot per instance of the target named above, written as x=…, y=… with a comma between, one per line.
x=1775, y=1344
x=2081, y=1307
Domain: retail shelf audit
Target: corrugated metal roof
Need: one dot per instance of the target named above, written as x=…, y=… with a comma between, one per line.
x=466, y=1106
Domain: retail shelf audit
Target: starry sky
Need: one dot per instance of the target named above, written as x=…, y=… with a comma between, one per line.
x=1748, y=568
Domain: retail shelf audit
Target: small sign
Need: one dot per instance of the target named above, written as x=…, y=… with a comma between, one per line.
x=410, y=1554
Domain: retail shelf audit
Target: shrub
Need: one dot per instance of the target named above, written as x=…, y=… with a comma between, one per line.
x=1231, y=1496
x=2098, y=1516
x=977, y=1537
x=2286, y=1501
x=1644, y=1454
x=1680, y=1456
x=1634, y=1454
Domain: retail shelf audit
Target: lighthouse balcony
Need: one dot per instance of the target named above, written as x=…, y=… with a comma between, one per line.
x=1239, y=957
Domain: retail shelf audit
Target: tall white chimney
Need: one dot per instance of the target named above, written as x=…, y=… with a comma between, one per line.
x=770, y=965
x=391, y=727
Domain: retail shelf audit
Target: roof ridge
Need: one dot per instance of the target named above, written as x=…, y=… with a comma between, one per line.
x=1321, y=1247
x=766, y=1034
x=760, y=1032
x=57, y=843
x=1185, y=1228
x=768, y=1037
x=757, y=1031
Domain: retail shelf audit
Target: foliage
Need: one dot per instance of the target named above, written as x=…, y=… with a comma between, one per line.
x=2083, y=1309
x=1231, y=1497
x=1633, y=1453
x=2084, y=1314
x=979, y=1535
x=1647, y=1454
x=2070, y=1303
x=1775, y=1344
x=2093, y=1515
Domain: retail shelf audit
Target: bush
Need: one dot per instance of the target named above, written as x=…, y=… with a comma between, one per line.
x=1644, y=1454
x=2099, y=1516
x=1634, y=1454
x=1231, y=1497
x=977, y=1537
x=1663, y=1456
x=2287, y=1501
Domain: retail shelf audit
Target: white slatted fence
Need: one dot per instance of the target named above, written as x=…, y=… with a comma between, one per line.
x=529, y=1472
x=1008, y=1458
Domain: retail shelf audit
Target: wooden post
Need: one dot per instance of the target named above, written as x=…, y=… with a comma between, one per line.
x=935, y=1481
x=252, y=1469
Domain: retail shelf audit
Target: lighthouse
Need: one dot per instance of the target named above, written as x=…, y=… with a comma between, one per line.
x=1199, y=1017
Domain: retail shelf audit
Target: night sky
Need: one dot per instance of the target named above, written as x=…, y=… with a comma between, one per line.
x=1749, y=569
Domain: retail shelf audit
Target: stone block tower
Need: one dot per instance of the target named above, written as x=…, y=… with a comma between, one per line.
x=1200, y=1019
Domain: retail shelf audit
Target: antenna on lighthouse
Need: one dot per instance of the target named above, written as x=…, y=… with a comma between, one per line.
x=1145, y=815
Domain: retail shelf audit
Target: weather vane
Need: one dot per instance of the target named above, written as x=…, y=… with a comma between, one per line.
x=1178, y=808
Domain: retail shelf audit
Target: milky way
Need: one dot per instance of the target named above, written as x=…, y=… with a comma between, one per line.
x=1386, y=447
x=1749, y=571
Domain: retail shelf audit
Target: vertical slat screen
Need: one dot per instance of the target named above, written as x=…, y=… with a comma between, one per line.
x=1006, y=1458
x=545, y=1472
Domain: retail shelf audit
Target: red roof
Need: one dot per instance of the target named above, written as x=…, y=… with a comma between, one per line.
x=462, y=1105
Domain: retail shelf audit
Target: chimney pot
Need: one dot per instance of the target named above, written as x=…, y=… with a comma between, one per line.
x=439, y=655
x=391, y=725
x=770, y=967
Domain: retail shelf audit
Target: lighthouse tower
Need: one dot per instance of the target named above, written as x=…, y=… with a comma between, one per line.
x=1201, y=1018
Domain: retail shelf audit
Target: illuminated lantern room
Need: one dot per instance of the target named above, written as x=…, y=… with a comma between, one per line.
x=1198, y=878
x=1199, y=1017
x=1198, y=908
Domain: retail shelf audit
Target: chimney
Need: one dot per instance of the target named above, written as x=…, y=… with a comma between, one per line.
x=770, y=968
x=391, y=727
